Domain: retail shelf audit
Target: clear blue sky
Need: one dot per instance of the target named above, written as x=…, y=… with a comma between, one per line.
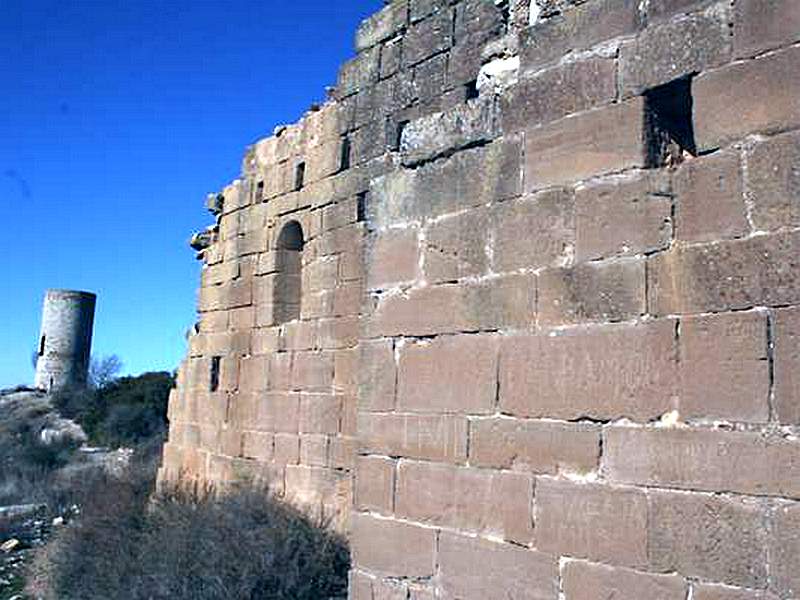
x=116, y=118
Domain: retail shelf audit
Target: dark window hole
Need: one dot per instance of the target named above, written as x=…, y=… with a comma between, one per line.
x=668, y=127
x=213, y=384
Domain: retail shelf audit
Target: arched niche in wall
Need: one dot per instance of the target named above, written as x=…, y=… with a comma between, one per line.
x=288, y=284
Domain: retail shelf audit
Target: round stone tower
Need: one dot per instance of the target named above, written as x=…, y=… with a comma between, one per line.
x=65, y=343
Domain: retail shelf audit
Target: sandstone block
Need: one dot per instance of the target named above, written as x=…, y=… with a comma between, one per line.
x=662, y=53
x=258, y=445
x=359, y=72
x=279, y=411
x=287, y=449
x=772, y=101
x=591, y=521
x=737, y=274
x=475, y=569
x=603, y=372
x=588, y=581
x=579, y=28
x=537, y=446
x=713, y=538
x=455, y=247
x=427, y=37
x=478, y=21
x=709, y=199
x=760, y=26
x=449, y=374
x=705, y=460
x=533, y=232
x=391, y=547
x=374, y=484
x=658, y=9
x=724, y=368
x=314, y=450
x=784, y=550
x=312, y=371
x=723, y=592
x=426, y=437
x=320, y=413
x=621, y=217
x=392, y=257
x=382, y=25
x=580, y=147
x=557, y=92
x=377, y=375
x=773, y=182
x=787, y=365
x=607, y=291
x=391, y=55
x=475, y=500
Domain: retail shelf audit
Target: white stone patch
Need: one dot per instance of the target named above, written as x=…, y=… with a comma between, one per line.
x=535, y=11
x=498, y=74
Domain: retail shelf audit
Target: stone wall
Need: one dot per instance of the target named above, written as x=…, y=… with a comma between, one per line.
x=549, y=326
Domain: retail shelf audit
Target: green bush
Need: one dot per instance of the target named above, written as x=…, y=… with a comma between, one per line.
x=181, y=546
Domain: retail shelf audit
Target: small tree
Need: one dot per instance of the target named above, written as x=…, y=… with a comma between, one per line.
x=104, y=371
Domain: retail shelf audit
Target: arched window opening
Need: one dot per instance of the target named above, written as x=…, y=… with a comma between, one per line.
x=288, y=283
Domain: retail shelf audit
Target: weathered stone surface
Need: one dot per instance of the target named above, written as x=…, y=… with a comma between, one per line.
x=709, y=198
x=377, y=376
x=676, y=49
x=624, y=216
x=580, y=147
x=456, y=247
x=473, y=569
x=773, y=182
x=772, y=101
x=713, y=538
x=533, y=232
x=374, y=484
x=587, y=581
x=540, y=447
x=600, y=372
x=375, y=542
x=758, y=271
x=473, y=500
x=597, y=522
x=426, y=437
x=454, y=374
x=659, y=9
x=558, y=92
x=607, y=291
x=707, y=460
x=359, y=72
x=382, y=25
x=393, y=257
x=760, y=26
x=784, y=550
x=724, y=367
x=723, y=592
x=786, y=334
x=427, y=37
x=581, y=27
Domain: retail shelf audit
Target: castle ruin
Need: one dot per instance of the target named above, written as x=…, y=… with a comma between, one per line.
x=520, y=304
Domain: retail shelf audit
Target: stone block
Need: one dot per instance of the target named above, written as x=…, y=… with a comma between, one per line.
x=441, y=438
x=724, y=367
x=478, y=21
x=391, y=547
x=287, y=449
x=705, y=460
x=709, y=199
x=314, y=450
x=425, y=38
x=710, y=537
x=622, y=216
x=464, y=62
x=757, y=271
x=377, y=375
x=475, y=569
x=760, y=26
x=466, y=180
x=499, y=303
x=430, y=79
x=784, y=549
x=604, y=372
x=456, y=247
x=540, y=447
x=392, y=257
x=597, y=522
x=359, y=72
x=593, y=143
x=320, y=413
x=557, y=92
x=278, y=411
x=445, y=132
x=312, y=371
x=391, y=55
x=660, y=9
x=533, y=232
x=771, y=102
x=588, y=581
x=578, y=28
x=662, y=53
x=702, y=591
x=474, y=500
x=607, y=291
x=381, y=25
x=374, y=484
x=773, y=182
x=454, y=374
x=786, y=332
x=258, y=445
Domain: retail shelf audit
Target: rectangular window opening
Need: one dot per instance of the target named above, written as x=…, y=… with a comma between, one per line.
x=401, y=125
x=259, y=191
x=669, y=131
x=299, y=176
x=344, y=157
x=361, y=207
x=471, y=90
x=41, y=345
x=213, y=385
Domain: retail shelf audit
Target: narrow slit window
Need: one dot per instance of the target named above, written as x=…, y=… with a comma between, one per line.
x=361, y=207
x=399, y=134
x=288, y=283
x=471, y=90
x=213, y=384
x=299, y=176
x=259, y=191
x=669, y=131
x=41, y=345
x=344, y=157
